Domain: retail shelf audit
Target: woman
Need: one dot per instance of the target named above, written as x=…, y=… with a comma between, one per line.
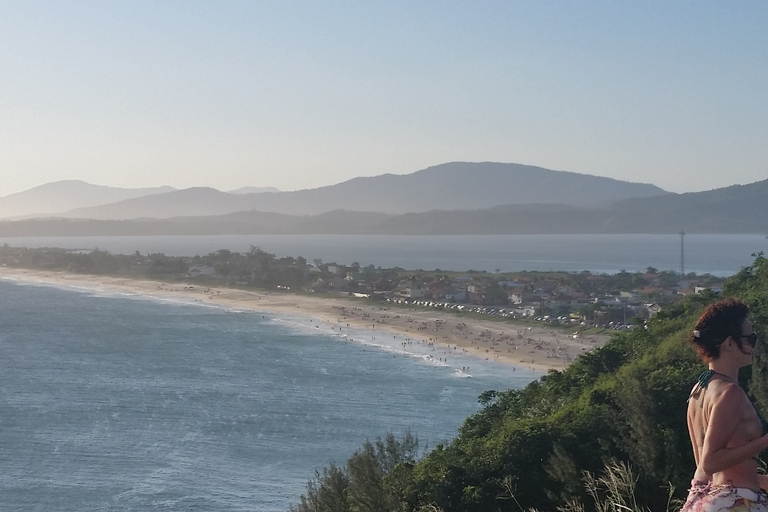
x=727, y=431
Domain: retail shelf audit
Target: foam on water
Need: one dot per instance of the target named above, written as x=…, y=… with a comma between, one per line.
x=123, y=402
x=429, y=354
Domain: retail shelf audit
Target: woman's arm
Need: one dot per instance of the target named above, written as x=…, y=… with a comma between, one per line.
x=696, y=429
x=763, y=479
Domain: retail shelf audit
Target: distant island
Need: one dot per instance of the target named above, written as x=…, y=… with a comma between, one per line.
x=451, y=199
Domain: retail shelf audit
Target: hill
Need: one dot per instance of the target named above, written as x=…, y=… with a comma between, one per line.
x=453, y=186
x=734, y=209
x=61, y=196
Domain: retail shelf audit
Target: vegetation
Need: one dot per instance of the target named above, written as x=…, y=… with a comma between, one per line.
x=617, y=412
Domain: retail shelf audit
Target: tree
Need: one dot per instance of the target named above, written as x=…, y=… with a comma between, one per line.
x=376, y=478
x=327, y=492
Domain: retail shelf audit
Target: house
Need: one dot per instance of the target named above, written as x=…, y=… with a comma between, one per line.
x=521, y=297
x=202, y=271
x=456, y=295
x=436, y=289
x=412, y=293
x=334, y=283
x=338, y=283
x=652, y=308
x=629, y=296
x=701, y=289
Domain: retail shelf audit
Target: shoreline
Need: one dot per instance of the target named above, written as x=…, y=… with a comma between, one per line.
x=539, y=349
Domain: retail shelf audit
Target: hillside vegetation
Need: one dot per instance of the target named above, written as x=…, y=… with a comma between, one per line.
x=608, y=433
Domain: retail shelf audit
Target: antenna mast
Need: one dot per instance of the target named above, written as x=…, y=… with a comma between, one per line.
x=682, y=253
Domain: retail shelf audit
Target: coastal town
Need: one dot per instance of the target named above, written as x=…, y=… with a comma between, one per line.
x=597, y=300
x=608, y=301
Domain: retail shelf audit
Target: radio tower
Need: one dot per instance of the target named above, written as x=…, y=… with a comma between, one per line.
x=682, y=253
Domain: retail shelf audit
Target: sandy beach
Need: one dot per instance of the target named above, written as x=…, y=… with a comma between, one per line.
x=536, y=348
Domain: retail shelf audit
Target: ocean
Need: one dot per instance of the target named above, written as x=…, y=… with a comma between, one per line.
x=122, y=403
x=719, y=255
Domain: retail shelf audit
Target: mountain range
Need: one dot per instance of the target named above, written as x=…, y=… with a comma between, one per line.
x=458, y=185
x=454, y=198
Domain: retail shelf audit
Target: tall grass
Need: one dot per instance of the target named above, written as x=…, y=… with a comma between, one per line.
x=614, y=491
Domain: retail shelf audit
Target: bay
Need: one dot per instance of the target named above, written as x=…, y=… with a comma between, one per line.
x=719, y=255
x=115, y=402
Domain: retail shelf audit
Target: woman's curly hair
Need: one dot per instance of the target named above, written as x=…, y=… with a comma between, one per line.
x=721, y=320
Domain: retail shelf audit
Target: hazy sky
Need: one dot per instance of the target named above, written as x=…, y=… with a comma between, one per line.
x=301, y=94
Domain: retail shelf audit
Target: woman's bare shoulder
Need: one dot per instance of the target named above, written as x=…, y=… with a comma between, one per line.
x=720, y=394
x=726, y=396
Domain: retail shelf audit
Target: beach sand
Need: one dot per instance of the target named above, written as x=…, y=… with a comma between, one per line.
x=538, y=348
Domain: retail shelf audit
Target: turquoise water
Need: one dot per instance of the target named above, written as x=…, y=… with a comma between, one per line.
x=113, y=402
x=720, y=255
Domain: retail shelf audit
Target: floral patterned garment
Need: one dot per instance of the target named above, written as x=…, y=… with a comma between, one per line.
x=705, y=497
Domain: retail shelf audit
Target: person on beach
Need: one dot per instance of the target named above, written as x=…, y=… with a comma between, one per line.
x=727, y=431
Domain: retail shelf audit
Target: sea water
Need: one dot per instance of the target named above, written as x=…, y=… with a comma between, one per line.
x=116, y=402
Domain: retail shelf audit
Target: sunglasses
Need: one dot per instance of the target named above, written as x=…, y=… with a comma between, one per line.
x=751, y=338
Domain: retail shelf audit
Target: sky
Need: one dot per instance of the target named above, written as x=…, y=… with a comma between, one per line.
x=303, y=94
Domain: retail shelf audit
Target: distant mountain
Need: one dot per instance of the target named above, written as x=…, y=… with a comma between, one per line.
x=734, y=209
x=453, y=186
x=61, y=196
x=196, y=201
x=737, y=209
x=253, y=190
